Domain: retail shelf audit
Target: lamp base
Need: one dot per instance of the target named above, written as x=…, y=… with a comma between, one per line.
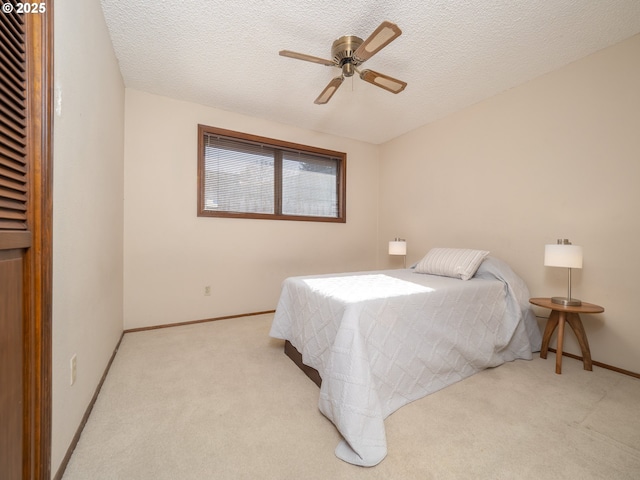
x=567, y=302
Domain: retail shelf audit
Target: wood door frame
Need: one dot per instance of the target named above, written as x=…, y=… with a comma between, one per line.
x=38, y=259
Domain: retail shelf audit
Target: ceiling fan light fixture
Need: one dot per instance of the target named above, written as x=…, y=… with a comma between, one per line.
x=348, y=69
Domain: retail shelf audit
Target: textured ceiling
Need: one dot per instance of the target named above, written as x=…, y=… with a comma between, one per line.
x=452, y=53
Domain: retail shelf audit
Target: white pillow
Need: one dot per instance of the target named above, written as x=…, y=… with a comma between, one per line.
x=452, y=262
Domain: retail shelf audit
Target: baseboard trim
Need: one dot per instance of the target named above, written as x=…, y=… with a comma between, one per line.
x=599, y=364
x=192, y=322
x=85, y=417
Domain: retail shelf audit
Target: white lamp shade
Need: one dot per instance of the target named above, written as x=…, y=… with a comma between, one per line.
x=398, y=247
x=559, y=255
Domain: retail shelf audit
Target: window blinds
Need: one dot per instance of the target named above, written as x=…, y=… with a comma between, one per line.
x=241, y=176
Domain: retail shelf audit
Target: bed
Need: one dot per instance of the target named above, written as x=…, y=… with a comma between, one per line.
x=379, y=340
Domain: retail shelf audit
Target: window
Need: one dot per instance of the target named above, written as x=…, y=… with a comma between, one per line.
x=245, y=176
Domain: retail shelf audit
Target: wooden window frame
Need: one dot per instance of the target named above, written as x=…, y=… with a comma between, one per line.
x=341, y=176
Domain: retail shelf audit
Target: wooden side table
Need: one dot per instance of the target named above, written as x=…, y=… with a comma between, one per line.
x=570, y=314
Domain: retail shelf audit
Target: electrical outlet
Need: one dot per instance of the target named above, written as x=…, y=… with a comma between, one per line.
x=73, y=369
x=207, y=291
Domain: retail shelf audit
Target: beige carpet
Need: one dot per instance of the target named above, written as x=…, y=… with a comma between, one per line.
x=220, y=400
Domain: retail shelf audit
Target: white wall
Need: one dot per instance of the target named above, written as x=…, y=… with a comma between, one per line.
x=87, y=212
x=558, y=157
x=171, y=254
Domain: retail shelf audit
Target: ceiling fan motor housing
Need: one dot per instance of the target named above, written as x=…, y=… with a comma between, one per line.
x=342, y=52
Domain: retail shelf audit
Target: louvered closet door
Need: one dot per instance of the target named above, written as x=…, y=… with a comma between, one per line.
x=15, y=240
x=23, y=135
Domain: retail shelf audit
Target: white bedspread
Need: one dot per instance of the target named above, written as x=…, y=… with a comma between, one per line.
x=383, y=339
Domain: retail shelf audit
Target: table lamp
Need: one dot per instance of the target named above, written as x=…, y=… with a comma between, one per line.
x=563, y=254
x=398, y=246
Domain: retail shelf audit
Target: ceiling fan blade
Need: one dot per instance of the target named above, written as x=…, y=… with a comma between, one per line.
x=380, y=38
x=391, y=84
x=307, y=58
x=328, y=91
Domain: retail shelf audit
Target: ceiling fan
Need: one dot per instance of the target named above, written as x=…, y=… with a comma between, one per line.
x=349, y=52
